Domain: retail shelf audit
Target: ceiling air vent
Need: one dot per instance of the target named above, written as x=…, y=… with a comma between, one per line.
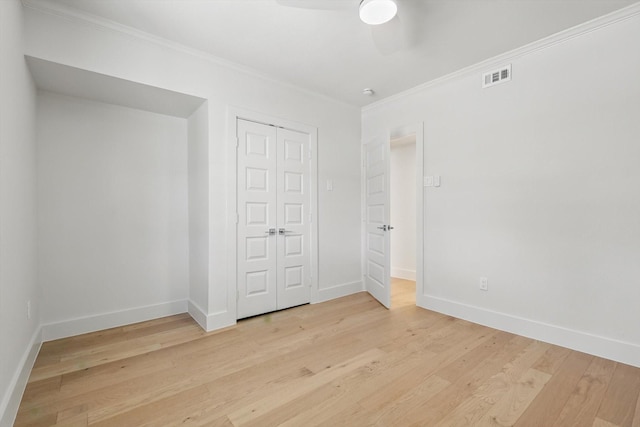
x=501, y=75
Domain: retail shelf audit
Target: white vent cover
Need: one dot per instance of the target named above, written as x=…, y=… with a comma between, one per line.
x=500, y=75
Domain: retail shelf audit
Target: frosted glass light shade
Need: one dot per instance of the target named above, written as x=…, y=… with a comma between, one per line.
x=375, y=12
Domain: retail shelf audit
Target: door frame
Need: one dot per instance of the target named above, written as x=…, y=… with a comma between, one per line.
x=393, y=133
x=233, y=114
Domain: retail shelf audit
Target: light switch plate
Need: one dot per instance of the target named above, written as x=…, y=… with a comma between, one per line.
x=436, y=181
x=428, y=181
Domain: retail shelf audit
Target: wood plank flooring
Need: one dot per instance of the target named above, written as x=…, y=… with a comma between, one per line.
x=347, y=362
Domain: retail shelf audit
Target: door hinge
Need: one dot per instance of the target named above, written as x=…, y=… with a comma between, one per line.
x=237, y=142
x=237, y=218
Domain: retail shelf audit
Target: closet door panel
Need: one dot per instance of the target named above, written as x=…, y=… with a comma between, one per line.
x=257, y=214
x=294, y=261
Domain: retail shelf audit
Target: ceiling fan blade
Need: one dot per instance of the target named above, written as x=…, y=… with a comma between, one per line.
x=389, y=37
x=318, y=4
x=402, y=32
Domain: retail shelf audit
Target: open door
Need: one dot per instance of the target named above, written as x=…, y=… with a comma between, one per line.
x=377, y=229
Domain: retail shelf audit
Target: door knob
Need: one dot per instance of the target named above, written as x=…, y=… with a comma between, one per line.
x=383, y=228
x=282, y=231
x=270, y=231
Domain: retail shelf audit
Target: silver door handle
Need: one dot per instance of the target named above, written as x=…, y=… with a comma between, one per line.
x=282, y=231
x=270, y=231
x=383, y=228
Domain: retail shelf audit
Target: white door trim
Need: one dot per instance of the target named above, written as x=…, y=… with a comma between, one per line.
x=233, y=114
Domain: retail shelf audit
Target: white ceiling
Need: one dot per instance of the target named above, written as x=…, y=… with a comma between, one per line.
x=330, y=51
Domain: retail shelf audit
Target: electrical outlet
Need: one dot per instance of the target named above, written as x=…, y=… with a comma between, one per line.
x=29, y=310
x=484, y=284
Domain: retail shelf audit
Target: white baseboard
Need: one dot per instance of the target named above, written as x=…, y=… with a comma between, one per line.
x=98, y=322
x=11, y=402
x=197, y=314
x=607, y=348
x=402, y=273
x=220, y=320
x=224, y=319
x=338, y=291
x=211, y=322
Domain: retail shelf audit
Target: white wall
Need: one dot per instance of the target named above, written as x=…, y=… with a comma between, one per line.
x=540, y=192
x=19, y=337
x=403, y=209
x=112, y=214
x=100, y=48
x=198, y=167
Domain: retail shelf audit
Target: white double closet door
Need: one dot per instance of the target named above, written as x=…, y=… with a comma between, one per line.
x=273, y=259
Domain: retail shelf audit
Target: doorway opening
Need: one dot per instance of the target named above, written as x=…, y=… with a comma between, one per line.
x=378, y=227
x=402, y=185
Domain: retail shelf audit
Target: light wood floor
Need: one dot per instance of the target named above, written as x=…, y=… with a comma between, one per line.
x=347, y=362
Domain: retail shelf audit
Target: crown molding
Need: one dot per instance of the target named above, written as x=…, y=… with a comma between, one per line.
x=579, y=30
x=76, y=15
x=100, y=23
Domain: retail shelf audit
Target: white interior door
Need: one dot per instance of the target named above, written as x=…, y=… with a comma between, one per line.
x=257, y=219
x=377, y=233
x=294, y=260
x=273, y=232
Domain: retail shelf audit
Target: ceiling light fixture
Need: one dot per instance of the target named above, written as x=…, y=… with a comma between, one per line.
x=376, y=12
x=368, y=92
